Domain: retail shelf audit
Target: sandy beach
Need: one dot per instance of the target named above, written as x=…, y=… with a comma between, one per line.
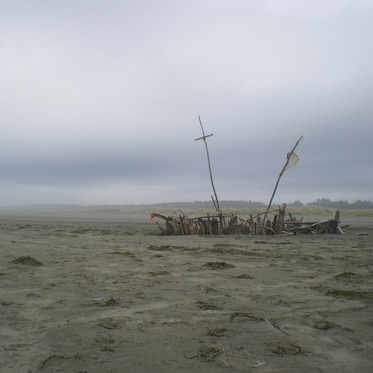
x=110, y=294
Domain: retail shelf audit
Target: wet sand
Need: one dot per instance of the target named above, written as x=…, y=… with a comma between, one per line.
x=112, y=295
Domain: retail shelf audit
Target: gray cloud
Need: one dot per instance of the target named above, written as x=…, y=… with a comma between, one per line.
x=100, y=102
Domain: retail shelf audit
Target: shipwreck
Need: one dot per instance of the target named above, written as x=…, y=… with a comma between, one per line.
x=270, y=222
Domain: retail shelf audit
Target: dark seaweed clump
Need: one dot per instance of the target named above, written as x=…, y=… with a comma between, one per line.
x=28, y=260
x=218, y=265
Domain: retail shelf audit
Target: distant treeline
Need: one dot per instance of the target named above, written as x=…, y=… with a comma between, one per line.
x=343, y=205
x=323, y=202
x=250, y=205
x=201, y=205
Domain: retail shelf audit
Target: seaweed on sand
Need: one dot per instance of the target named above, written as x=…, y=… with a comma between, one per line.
x=206, y=354
x=286, y=349
x=125, y=253
x=205, y=306
x=58, y=356
x=218, y=332
x=161, y=248
x=169, y=248
x=349, y=294
x=243, y=315
x=157, y=256
x=350, y=277
x=28, y=260
x=218, y=265
x=218, y=250
x=345, y=275
x=324, y=324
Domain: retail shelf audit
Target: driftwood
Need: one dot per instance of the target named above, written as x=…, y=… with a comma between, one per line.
x=219, y=223
x=330, y=225
x=289, y=161
x=266, y=223
x=216, y=201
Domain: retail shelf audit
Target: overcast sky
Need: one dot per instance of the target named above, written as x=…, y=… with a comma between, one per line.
x=99, y=100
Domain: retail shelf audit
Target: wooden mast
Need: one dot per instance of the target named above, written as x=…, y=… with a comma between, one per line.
x=288, y=158
x=216, y=201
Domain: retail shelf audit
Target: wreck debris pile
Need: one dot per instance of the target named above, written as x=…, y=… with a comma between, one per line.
x=267, y=223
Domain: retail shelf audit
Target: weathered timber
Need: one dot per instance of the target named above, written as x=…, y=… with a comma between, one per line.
x=330, y=225
x=288, y=160
x=216, y=201
x=219, y=223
